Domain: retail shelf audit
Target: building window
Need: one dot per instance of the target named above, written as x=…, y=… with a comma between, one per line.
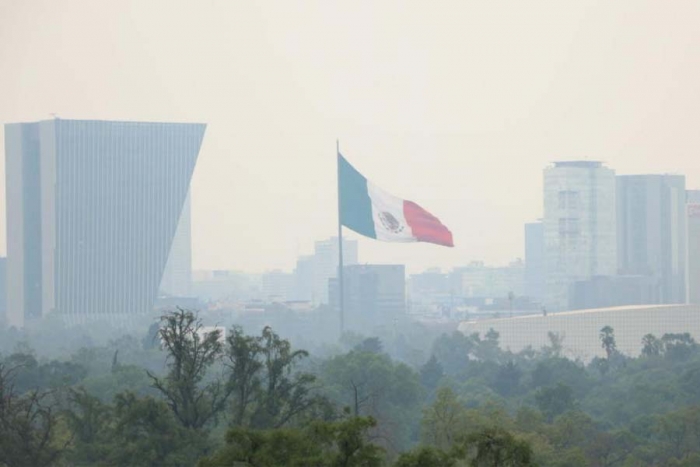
x=569, y=227
x=568, y=199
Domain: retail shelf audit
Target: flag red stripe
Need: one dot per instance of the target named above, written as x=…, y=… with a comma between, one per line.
x=425, y=226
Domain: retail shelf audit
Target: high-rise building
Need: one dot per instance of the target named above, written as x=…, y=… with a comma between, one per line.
x=177, y=276
x=92, y=209
x=277, y=286
x=579, y=227
x=374, y=294
x=481, y=281
x=326, y=264
x=3, y=290
x=304, y=279
x=693, y=247
x=534, y=260
x=651, y=232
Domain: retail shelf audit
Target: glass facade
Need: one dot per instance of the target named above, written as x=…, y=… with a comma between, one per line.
x=110, y=199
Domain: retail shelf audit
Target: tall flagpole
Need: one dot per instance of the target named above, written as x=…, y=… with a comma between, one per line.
x=341, y=282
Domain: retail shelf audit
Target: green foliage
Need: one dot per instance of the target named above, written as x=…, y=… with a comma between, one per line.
x=555, y=400
x=321, y=444
x=371, y=384
x=426, y=456
x=266, y=391
x=431, y=373
x=495, y=447
x=190, y=354
x=28, y=424
x=607, y=341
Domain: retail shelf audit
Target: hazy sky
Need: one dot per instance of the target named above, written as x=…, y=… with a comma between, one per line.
x=455, y=105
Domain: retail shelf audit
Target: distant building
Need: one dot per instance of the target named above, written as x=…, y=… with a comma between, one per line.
x=651, y=232
x=478, y=280
x=693, y=251
x=429, y=286
x=277, y=286
x=375, y=295
x=534, y=260
x=177, y=276
x=610, y=291
x=579, y=227
x=304, y=279
x=217, y=285
x=92, y=209
x=3, y=290
x=326, y=265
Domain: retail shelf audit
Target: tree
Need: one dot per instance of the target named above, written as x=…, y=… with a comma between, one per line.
x=495, y=447
x=444, y=420
x=371, y=344
x=244, y=362
x=507, y=379
x=678, y=347
x=556, y=344
x=607, y=341
x=431, y=373
x=425, y=456
x=343, y=443
x=147, y=433
x=651, y=346
x=28, y=425
x=90, y=422
x=553, y=401
x=267, y=393
x=372, y=384
x=190, y=354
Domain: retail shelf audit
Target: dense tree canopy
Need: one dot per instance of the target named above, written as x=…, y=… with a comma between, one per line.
x=181, y=397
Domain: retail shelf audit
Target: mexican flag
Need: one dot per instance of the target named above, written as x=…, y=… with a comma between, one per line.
x=372, y=212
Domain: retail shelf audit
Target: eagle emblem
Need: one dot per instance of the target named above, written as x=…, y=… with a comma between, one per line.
x=390, y=222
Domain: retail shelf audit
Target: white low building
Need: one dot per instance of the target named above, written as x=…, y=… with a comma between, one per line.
x=581, y=329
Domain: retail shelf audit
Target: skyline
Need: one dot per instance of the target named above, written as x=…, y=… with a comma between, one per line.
x=457, y=107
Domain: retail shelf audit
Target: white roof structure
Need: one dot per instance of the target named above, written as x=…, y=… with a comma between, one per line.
x=581, y=328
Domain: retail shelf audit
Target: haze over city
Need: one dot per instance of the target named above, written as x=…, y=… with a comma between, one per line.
x=456, y=106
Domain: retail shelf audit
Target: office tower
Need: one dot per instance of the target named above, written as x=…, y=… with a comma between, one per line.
x=177, y=276
x=651, y=232
x=92, y=208
x=326, y=264
x=3, y=290
x=375, y=295
x=579, y=227
x=277, y=286
x=304, y=279
x=534, y=260
x=693, y=246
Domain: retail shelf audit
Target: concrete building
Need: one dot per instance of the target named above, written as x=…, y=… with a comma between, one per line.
x=612, y=291
x=579, y=227
x=3, y=290
x=277, y=286
x=226, y=286
x=326, y=265
x=534, y=261
x=92, y=209
x=693, y=247
x=375, y=295
x=651, y=232
x=304, y=279
x=479, y=280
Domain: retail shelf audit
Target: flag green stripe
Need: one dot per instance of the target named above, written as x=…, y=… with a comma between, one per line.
x=355, y=203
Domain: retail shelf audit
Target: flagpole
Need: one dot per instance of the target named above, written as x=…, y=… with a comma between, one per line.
x=341, y=282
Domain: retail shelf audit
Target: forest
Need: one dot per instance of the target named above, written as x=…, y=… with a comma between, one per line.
x=179, y=396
